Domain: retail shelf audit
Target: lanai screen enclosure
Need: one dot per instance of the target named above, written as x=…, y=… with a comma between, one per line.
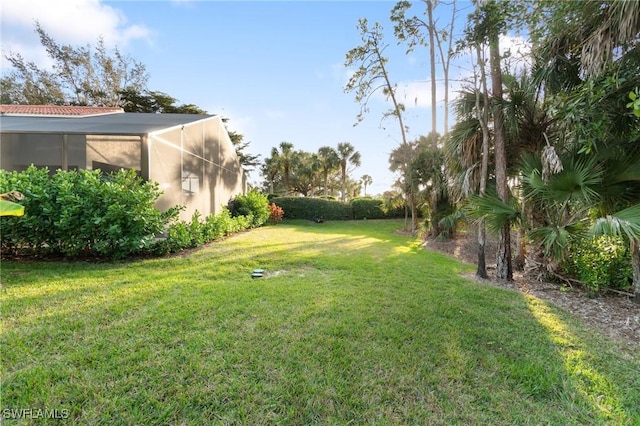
x=189, y=155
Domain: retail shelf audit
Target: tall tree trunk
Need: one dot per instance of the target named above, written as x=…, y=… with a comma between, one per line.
x=326, y=186
x=483, y=118
x=286, y=180
x=406, y=215
x=503, y=256
x=481, y=271
x=635, y=263
x=435, y=228
x=414, y=218
x=435, y=219
x=343, y=193
x=432, y=60
x=521, y=248
x=446, y=61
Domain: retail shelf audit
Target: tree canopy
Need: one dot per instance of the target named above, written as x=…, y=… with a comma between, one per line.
x=85, y=75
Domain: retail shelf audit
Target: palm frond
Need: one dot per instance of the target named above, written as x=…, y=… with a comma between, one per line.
x=449, y=223
x=580, y=180
x=624, y=223
x=556, y=239
x=493, y=210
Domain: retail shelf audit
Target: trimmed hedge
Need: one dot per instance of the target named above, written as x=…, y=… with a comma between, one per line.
x=80, y=213
x=367, y=208
x=313, y=208
x=318, y=208
x=183, y=235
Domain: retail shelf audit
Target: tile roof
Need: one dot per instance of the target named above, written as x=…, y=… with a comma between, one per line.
x=57, y=110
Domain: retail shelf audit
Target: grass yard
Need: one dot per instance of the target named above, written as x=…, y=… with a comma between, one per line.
x=352, y=324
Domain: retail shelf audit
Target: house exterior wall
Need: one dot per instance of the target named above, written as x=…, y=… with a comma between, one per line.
x=196, y=166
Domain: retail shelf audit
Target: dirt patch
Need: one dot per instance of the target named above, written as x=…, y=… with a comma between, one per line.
x=613, y=314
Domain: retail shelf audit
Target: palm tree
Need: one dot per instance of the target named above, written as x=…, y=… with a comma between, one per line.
x=400, y=161
x=617, y=24
x=366, y=181
x=328, y=161
x=286, y=156
x=271, y=168
x=466, y=153
x=347, y=154
x=427, y=170
x=580, y=39
x=588, y=57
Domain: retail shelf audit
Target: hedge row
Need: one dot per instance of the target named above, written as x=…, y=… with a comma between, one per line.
x=85, y=214
x=78, y=213
x=198, y=231
x=321, y=209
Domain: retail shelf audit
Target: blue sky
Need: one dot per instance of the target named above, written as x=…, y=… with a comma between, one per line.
x=274, y=68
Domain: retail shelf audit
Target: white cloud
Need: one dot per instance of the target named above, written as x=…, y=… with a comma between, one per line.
x=240, y=124
x=515, y=44
x=415, y=93
x=519, y=50
x=75, y=22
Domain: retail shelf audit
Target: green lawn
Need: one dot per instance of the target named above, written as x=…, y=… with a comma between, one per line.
x=353, y=324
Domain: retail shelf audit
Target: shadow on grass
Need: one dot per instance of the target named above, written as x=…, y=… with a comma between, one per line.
x=373, y=330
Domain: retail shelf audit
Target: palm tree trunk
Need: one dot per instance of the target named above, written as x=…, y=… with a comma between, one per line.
x=520, y=243
x=343, y=195
x=435, y=225
x=326, y=179
x=414, y=218
x=481, y=272
x=635, y=263
x=286, y=180
x=406, y=216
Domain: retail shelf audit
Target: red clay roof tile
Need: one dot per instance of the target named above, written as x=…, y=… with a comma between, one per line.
x=61, y=110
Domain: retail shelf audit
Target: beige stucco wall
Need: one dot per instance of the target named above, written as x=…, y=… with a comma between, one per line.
x=196, y=166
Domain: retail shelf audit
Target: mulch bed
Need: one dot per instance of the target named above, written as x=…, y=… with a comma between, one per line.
x=613, y=314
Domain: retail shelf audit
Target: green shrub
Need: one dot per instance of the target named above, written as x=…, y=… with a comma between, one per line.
x=80, y=213
x=254, y=205
x=35, y=228
x=367, y=208
x=313, y=208
x=600, y=262
x=183, y=235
